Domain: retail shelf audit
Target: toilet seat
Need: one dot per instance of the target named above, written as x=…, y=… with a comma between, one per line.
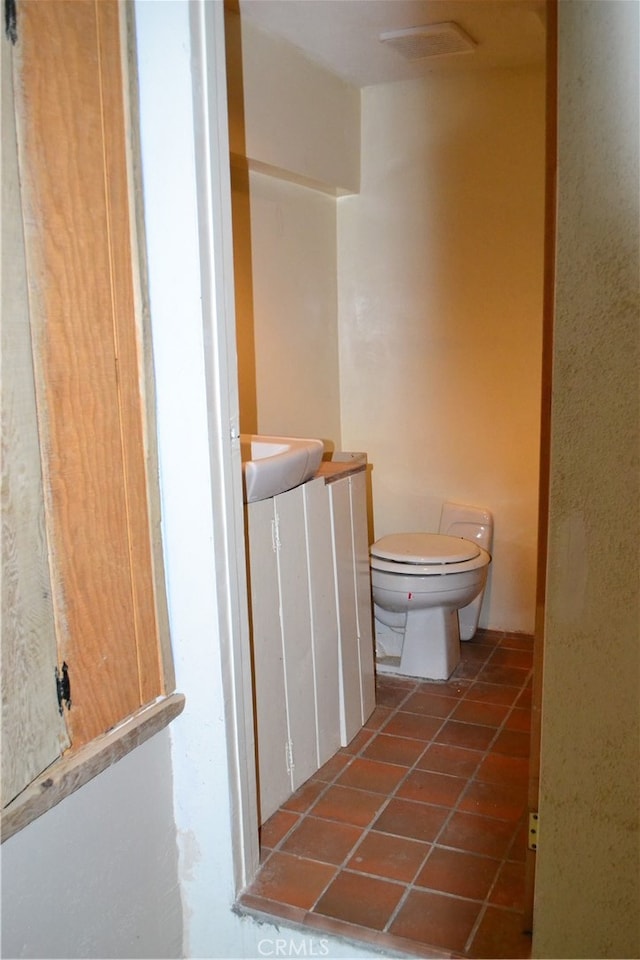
x=425, y=554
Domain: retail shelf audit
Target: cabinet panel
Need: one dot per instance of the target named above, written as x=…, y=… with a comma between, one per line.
x=274, y=780
x=324, y=622
x=344, y=562
x=295, y=612
x=363, y=594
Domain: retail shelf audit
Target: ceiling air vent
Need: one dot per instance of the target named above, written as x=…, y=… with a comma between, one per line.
x=435, y=40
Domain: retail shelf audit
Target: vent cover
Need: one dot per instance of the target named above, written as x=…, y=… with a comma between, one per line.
x=434, y=40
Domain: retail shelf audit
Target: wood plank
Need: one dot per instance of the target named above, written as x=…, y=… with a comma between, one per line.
x=76, y=769
x=71, y=237
x=295, y=612
x=358, y=494
x=33, y=732
x=324, y=620
x=272, y=732
x=128, y=352
x=548, y=320
x=351, y=711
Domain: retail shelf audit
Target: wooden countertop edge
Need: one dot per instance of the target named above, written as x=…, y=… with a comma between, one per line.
x=331, y=470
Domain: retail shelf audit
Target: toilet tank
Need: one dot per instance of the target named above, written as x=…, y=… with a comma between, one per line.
x=475, y=524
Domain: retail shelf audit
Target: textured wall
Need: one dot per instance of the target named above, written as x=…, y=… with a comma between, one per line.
x=588, y=878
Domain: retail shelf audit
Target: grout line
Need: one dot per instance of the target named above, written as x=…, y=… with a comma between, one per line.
x=462, y=694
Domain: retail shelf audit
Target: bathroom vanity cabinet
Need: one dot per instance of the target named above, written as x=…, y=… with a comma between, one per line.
x=311, y=629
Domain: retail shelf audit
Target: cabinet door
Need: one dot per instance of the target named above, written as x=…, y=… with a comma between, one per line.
x=295, y=613
x=363, y=593
x=324, y=619
x=345, y=588
x=272, y=734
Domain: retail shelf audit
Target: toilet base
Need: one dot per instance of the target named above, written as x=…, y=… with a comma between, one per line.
x=430, y=646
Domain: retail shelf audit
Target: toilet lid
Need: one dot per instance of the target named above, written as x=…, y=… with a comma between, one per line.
x=424, y=548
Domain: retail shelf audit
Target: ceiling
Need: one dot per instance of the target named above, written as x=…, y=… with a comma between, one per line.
x=343, y=35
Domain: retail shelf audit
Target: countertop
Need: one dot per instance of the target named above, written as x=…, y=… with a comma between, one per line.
x=333, y=470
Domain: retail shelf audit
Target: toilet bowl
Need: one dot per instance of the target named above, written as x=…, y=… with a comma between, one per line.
x=427, y=590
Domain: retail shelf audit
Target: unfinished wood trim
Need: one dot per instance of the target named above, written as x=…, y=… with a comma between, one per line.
x=548, y=317
x=87, y=359
x=127, y=346
x=75, y=769
x=142, y=314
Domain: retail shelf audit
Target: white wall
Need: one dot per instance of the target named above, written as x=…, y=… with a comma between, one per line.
x=286, y=256
x=588, y=863
x=96, y=876
x=289, y=114
x=440, y=293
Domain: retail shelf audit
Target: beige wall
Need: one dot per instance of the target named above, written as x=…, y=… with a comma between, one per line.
x=285, y=243
x=588, y=876
x=440, y=292
x=288, y=114
x=427, y=285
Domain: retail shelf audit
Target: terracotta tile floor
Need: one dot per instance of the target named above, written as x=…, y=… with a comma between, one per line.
x=413, y=837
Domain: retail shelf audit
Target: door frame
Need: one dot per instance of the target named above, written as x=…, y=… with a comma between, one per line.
x=548, y=316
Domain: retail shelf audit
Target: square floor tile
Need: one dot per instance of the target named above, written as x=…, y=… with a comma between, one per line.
x=378, y=718
x=418, y=821
x=500, y=768
x=400, y=750
x=459, y=873
x=276, y=827
x=305, y=796
x=514, y=743
x=510, y=886
x=330, y=770
x=500, y=935
x=492, y=693
x=505, y=657
x=476, y=834
x=412, y=725
x=429, y=787
x=323, y=840
x=511, y=676
x=391, y=692
x=488, y=714
x=355, y=898
x=372, y=775
x=356, y=744
x=394, y=858
x=518, y=719
x=495, y=800
x=447, y=758
x=470, y=735
x=436, y=919
x=288, y=879
x=348, y=805
x=429, y=704
x=476, y=650
x=517, y=641
x=520, y=843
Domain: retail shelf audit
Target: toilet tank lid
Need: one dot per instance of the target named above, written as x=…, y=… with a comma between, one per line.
x=424, y=548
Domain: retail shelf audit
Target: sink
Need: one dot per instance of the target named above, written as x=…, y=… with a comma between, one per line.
x=271, y=465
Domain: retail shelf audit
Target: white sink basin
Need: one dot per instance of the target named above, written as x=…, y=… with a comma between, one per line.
x=271, y=465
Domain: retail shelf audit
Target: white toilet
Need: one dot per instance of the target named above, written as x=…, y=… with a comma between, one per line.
x=427, y=592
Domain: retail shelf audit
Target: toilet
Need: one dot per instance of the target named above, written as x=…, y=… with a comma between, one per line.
x=427, y=592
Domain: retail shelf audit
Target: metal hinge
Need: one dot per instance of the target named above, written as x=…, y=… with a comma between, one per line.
x=534, y=823
x=288, y=751
x=63, y=688
x=11, y=21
